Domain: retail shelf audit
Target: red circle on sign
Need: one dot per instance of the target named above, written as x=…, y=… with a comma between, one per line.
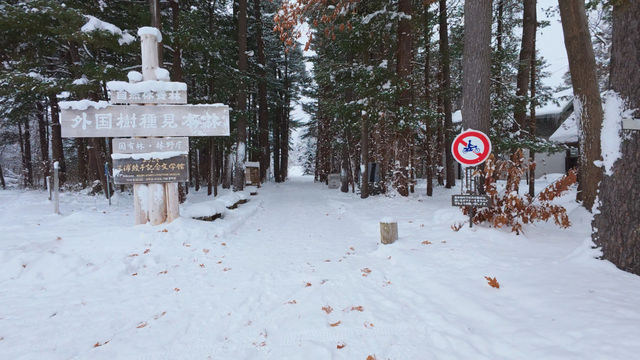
x=459, y=140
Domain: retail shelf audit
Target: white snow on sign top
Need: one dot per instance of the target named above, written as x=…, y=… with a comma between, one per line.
x=146, y=86
x=94, y=24
x=83, y=104
x=150, y=30
x=134, y=76
x=163, y=75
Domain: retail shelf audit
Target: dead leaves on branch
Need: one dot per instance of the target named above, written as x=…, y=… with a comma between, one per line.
x=509, y=207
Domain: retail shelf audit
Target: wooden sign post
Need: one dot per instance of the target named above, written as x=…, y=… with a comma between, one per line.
x=153, y=165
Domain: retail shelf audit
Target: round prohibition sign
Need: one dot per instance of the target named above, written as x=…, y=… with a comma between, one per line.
x=471, y=147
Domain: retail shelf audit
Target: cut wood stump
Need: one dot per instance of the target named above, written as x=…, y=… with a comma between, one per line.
x=388, y=231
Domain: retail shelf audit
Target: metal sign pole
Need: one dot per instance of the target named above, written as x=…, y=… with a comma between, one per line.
x=56, y=190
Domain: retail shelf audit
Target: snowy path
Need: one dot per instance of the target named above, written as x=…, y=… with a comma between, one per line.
x=253, y=285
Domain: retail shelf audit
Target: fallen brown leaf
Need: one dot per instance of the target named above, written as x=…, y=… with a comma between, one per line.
x=336, y=323
x=164, y=230
x=328, y=309
x=371, y=357
x=307, y=284
x=357, y=308
x=292, y=302
x=493, y=282
x=201, y=265
x=206, y=251
x=141, y=325
x=426, y=242
x=340, y=345
x=223, y=244
x=134, y=274
x=147, y=251
x=176, y=289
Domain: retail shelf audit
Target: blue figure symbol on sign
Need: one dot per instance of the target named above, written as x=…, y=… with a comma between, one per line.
x=471, y=148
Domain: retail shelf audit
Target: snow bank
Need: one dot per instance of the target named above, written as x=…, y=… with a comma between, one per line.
x=149, y=30
x=232, y=198
x=95, y=24
x=82, y=104
x=150, y=155
x=146, y=86
x=203, y=209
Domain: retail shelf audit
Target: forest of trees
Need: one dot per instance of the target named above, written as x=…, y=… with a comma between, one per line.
x=226, y=52
x=387, y=77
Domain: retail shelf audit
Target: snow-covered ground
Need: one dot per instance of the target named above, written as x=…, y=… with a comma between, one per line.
x=298, y=272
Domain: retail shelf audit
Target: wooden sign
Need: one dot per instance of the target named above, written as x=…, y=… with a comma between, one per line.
x=136, y=169
x=471, y=200
x=147, y=145
x=133, y=120
x=147, y=92
x=252, y=173
x=149, y=97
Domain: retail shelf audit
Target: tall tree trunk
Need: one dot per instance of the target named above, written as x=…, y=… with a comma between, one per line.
x=524, y=64
x=81, y=145
x=587, y=102
x=44, y=141
x=403, y=71
x=156, y=21
x=2, y=183
x=277, y=124
x=98, y=150
x=214, y=164
x=446, y=96
x=364, y=154
x=284, y=130
x=476, y=66
x=227, y=169
x=210, y=161
x=238, y=178
x=176, y=65
x=28, y=164
x=263, y=107
x=532, y=111
x=428, y=146
x=617, y=223
x=57, y=153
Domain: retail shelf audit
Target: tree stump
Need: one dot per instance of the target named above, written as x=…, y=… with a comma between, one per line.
x=388, y=231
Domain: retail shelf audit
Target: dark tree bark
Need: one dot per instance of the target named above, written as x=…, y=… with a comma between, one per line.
x=176, y=65
x=227, y=170
x=532, y=112
x=44, y=141
x=28, y=161
x=524, y=64
x=2, y=183
x=446, y=95
x=57, y=153
x=617, y=224
x=98, y=151
x=476, y=66
x=277, y=141
x=364, y=154
x=263, y=107
x=81, y=145
x=238, y=178
x=210, y=161
x=403, y=71
x=156, y=21
x=428, y=146
x=587, y=102
x=284, y=130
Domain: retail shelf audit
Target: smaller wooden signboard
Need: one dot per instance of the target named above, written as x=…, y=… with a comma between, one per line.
x=252, y=173
x=132, y=169
x=147, y=145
